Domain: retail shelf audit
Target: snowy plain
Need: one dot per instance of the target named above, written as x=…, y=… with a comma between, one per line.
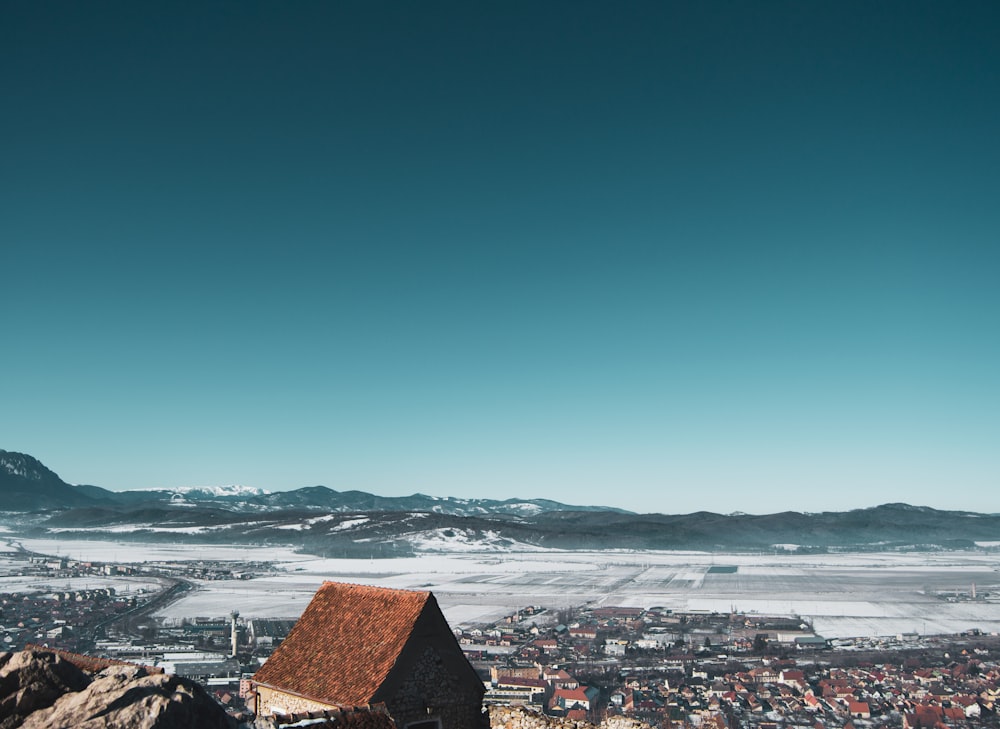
x=846, y=595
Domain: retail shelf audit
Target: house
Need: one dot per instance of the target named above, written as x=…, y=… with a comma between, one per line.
x=514, y=690
x=559, y=678
x=615, y=647
x=516, y=671
x=566, y=699
x=793, y=678
x=548, y=645
x=357, y=646
x=859, y=709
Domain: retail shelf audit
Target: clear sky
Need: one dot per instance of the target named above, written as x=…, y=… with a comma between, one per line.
x=663, y=256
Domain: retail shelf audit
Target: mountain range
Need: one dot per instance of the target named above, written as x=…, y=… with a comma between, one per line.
x=28, y=485
x=320, y=520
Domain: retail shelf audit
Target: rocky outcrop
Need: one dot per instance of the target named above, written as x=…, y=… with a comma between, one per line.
x=518, y=717
x=32, y=681
x=41, y=690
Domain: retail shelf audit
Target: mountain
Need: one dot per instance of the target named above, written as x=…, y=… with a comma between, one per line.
x=321, y=497
x=320, y=520
x=27, y=485
x=395, y=533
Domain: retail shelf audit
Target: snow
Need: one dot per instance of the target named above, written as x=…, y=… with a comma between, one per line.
x=846, y=595
x=216, y=491
x=133, y=552
x=130, y=528
x=525, y=508
x=464, y=540
x=347, y=523
x=123, y=585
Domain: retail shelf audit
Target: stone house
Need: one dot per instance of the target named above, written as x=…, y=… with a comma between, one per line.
x=357, y=645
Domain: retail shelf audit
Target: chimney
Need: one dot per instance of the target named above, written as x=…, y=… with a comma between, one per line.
x=235, y=614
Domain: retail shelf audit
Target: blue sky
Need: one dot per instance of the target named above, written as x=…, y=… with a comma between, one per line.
x=663, y=256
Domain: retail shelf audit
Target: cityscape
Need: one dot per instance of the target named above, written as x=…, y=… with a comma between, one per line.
x=584, y=663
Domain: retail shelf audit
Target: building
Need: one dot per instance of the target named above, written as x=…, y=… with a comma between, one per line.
x=357, y=645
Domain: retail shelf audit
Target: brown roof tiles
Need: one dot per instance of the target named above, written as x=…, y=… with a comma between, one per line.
x=345, y=644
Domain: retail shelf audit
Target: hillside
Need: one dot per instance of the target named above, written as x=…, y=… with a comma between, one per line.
x=323, y=521
x=27, y=485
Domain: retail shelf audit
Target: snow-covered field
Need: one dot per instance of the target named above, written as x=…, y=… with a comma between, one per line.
x=134, y=552
x=845, y=594
x=123, y=585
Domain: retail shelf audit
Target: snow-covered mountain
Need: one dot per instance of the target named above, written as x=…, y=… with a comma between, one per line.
x=323, y=521
x=22, y=474
x=233, y=491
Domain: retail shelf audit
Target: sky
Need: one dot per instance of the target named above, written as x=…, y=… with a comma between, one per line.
x=656, y=255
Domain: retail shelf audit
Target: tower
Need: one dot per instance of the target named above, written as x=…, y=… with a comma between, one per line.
x=233, y=615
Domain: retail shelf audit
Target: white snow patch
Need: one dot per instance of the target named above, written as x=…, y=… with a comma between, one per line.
x=350, y=523
x=230, y=490
x=131, y=528
x=524, y=507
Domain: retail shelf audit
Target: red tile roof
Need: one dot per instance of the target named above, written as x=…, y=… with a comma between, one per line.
x=571, y=696
x=858, y=707
x=345, y=644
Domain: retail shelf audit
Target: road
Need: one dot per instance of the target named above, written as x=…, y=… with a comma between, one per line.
x=128, y=622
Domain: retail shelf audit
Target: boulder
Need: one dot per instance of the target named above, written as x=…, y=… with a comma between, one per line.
x=40, y=690
x=126, y=697
x=31, y=680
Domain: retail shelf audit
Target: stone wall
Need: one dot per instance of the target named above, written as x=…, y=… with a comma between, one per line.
x=432, y=691
x=271, y=702
x=518, y=717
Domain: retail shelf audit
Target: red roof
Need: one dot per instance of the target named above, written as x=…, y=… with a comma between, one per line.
x=572, y=696
x=345, y=644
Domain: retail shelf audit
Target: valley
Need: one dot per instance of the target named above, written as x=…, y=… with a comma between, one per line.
x=844, y=595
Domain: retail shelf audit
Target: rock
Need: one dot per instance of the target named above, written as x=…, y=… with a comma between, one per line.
x=31, y=680
x=520, y=717
x=41, y=690
x=126, y=697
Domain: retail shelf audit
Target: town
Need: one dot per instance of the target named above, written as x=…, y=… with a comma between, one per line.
x=660, y=667
x=726, y=670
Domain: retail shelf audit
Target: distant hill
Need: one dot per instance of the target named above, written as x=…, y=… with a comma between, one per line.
x=323, y=521
x=27, y=485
